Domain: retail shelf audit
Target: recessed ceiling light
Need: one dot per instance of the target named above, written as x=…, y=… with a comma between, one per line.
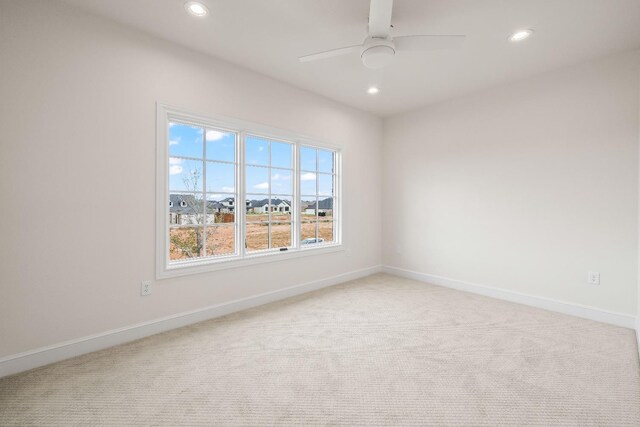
x=196, y=8
x=520, y=35
x=373, y=90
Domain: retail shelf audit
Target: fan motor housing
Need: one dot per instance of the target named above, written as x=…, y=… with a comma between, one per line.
x=377, y=52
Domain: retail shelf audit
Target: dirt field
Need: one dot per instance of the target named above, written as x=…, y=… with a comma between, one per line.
x=221, y=239
x=257, y=234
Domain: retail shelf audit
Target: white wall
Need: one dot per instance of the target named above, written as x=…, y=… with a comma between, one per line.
x=77, y=168
x=525, y=187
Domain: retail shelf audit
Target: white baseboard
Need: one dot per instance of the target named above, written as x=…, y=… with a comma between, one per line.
x=45, y=355
x=586, y=312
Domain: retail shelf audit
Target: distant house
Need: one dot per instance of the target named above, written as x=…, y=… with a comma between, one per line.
x=186, y=209
x=263, y=206
x=183, y=210
x=228, y=205
x=216, y=207
x=306, y=204
x=325, y=207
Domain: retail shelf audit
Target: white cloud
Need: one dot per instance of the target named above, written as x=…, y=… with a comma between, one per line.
x=171, y=124
x=174, y=142
x=175, y=170
x=228, y=189
x=214, y=135
x=309, y=176
x=261, y=148
x=278, y=177
x=174, y=161
x=261, y=186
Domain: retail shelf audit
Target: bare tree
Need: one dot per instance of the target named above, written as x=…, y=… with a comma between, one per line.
x=192, y=244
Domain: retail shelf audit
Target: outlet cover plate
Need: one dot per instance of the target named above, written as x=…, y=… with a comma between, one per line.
x=145, y=287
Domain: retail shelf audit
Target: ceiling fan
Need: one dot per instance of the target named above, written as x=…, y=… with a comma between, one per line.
x=378, y=49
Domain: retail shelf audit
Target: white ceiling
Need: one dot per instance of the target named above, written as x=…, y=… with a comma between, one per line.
x=268, y=36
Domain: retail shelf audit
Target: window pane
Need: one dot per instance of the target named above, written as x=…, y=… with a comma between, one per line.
x=221, y=145
x=220, y=209
x=281, y=208
x=221, y=177
x=280, y=235
x=185, y=175
x=307, y=158
x=308, y=208
x=257, y=180
x=281, y=155
x=308, y=233
x=185, y=140
x=325, y=185
x=257, y=236
x=185, y=243
x=221, y=240
x=308, y=183
x=185, y=209
x=256, y=151
x=325, y=208
x=325, y=231
x=258, y=208
x=281, y=182
x=325, y=161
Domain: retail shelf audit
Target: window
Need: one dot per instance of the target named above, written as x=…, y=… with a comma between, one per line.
x=290, y=186
x=202, y=174
x=317, y=180
x=269, y=172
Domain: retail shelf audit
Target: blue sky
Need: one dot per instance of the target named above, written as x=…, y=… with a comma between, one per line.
x=186, y=141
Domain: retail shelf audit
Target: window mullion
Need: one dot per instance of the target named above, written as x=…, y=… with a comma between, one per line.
x=269, y=243
x=204, y=191
x=241, y=231
x=317, y=196
x=296, y=202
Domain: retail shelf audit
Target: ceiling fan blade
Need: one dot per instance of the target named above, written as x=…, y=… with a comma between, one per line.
x=380, y=18
x=330, y=53
x=418, y=43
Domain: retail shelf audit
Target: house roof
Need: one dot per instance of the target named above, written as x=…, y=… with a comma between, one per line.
x=263, y=202
x=191, y=204
x=326, y=203
x=322, y=204
x=188, y=199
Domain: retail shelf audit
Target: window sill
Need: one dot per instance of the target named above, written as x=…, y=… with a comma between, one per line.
x=215, y=264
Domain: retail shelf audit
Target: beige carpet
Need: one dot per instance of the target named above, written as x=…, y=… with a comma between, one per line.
x=377, y=351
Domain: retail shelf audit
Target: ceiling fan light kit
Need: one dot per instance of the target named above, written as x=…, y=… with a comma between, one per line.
x=377, y=53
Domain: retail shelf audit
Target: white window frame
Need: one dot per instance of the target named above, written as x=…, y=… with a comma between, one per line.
x=166, y=269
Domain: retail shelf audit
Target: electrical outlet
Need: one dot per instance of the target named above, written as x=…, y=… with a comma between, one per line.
x=593, y=278
x=145, y=288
